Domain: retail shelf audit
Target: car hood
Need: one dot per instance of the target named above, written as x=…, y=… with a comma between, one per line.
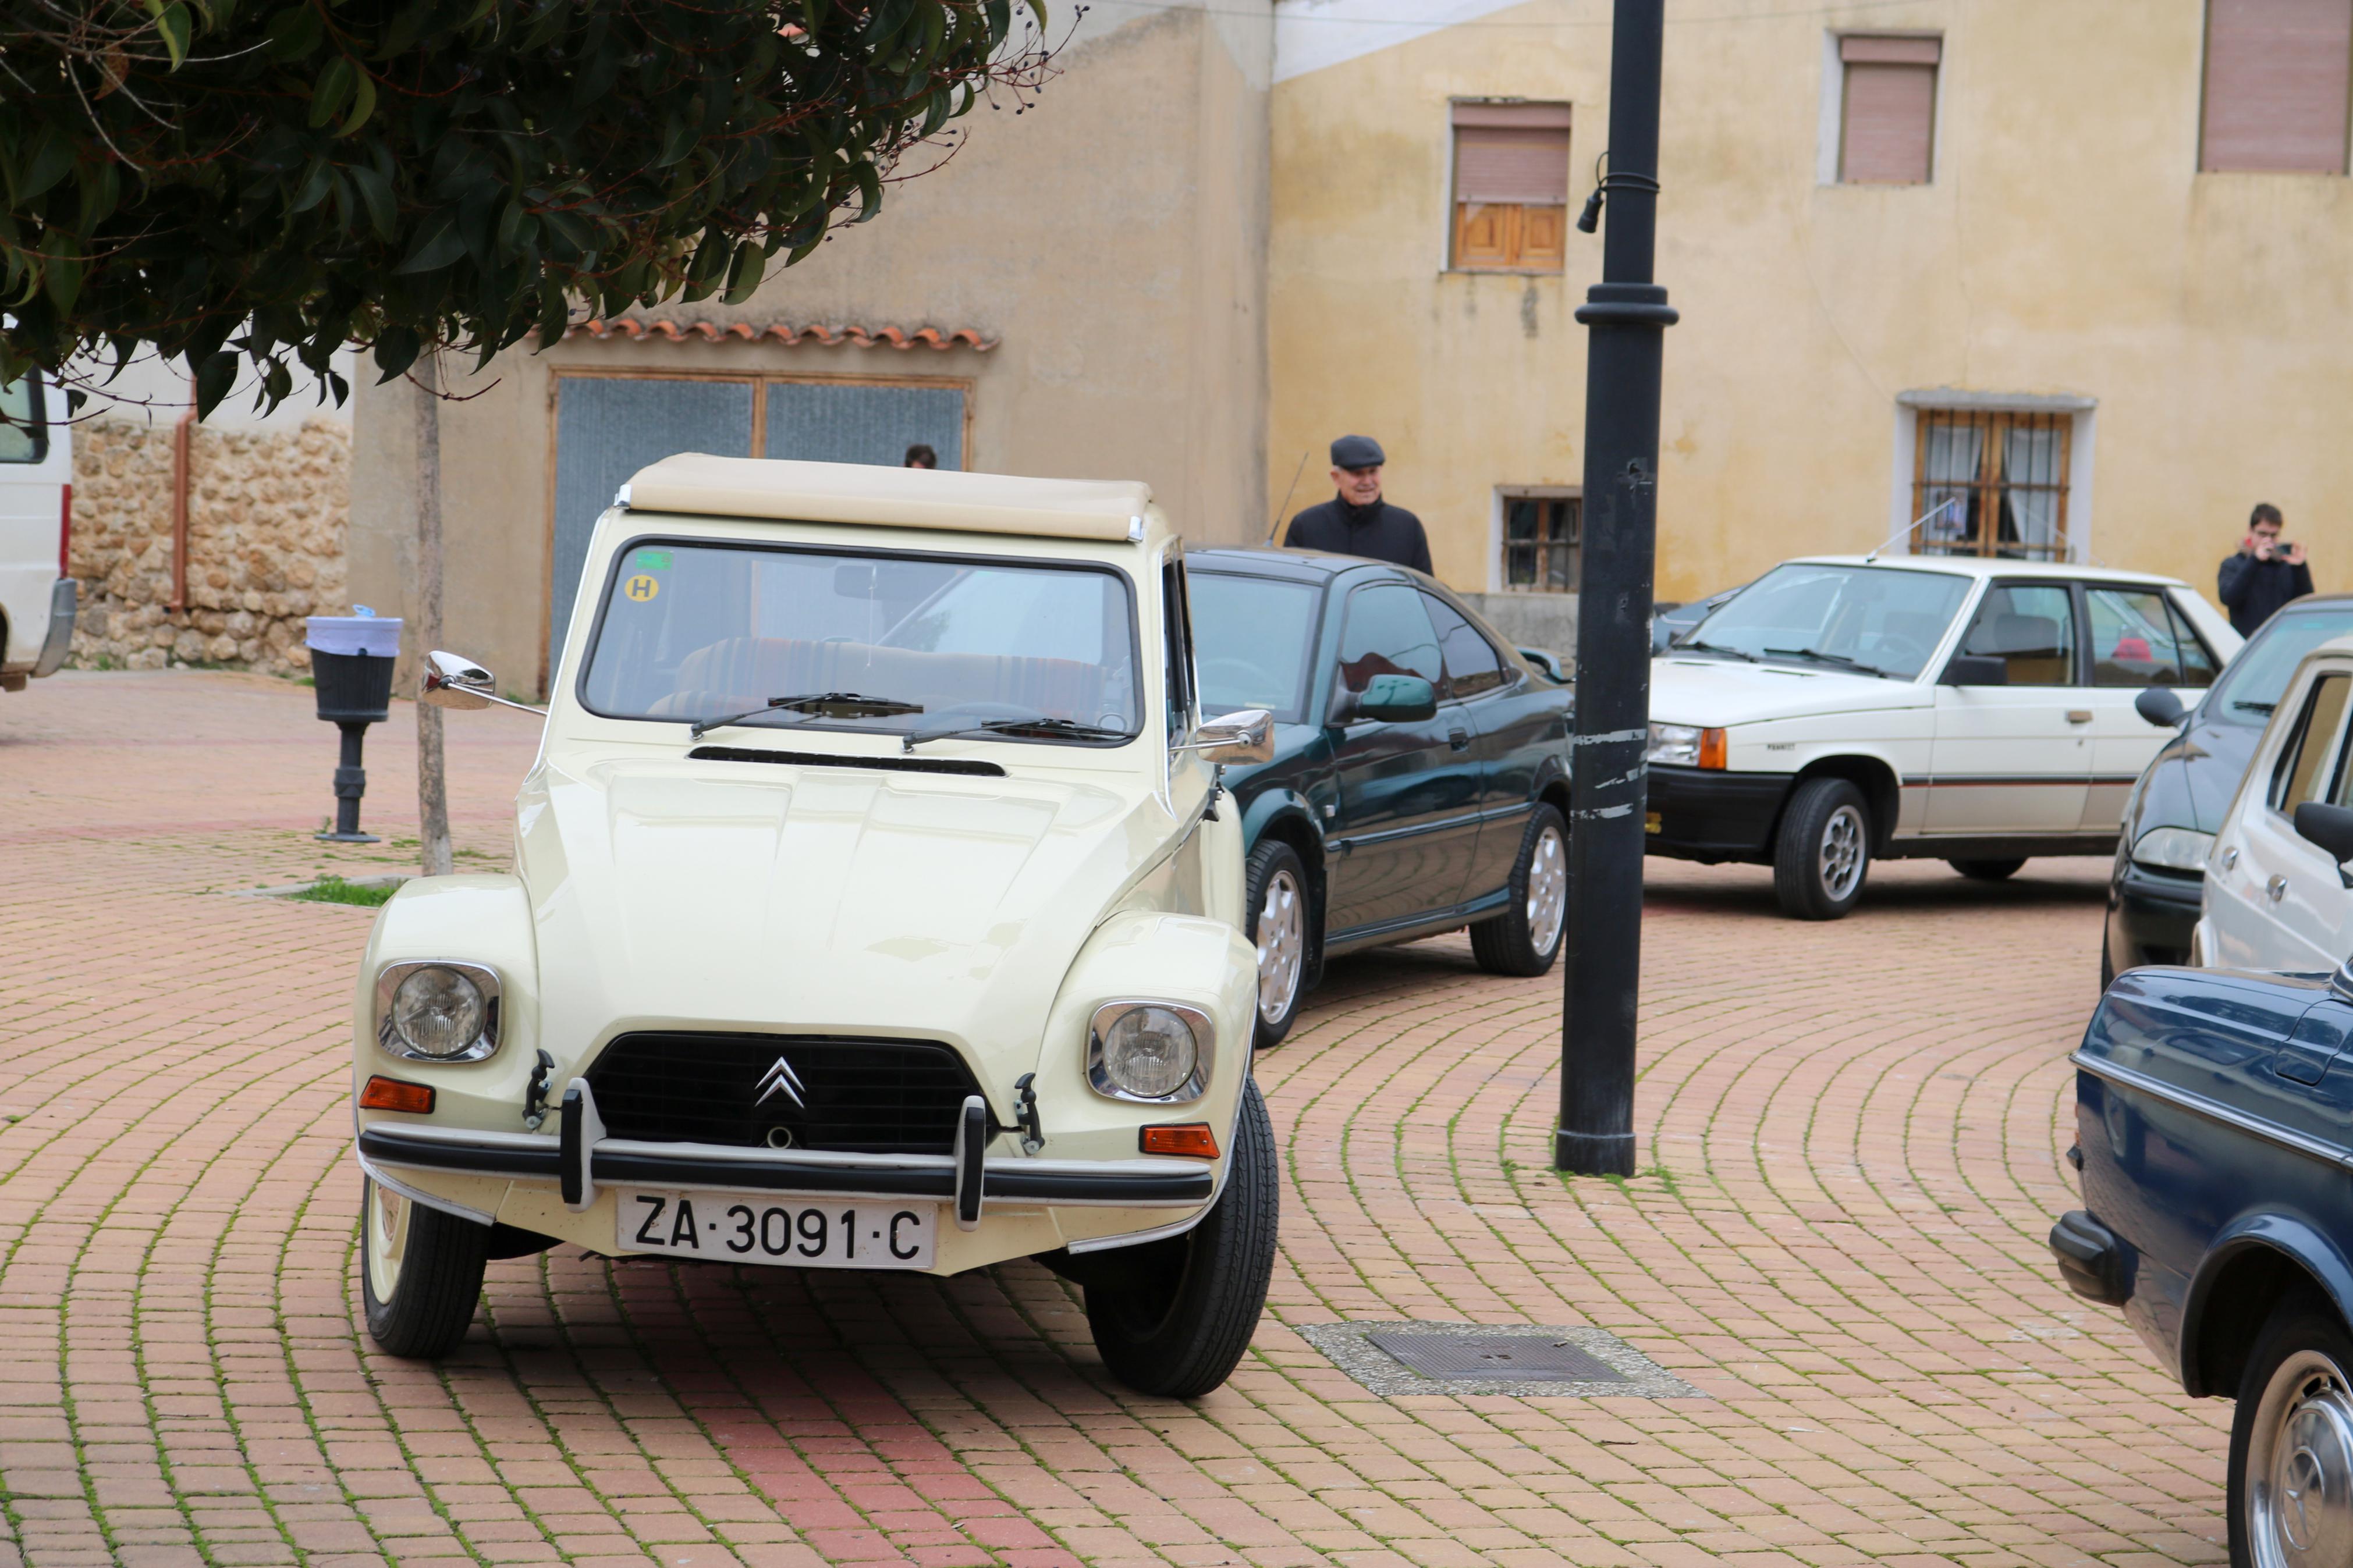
x=786, y=899
x=2191, y=781
x=1687, y=689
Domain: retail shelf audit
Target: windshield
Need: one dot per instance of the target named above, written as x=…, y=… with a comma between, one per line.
x=1875, y=620
x=1253, y=637
x=2251, y=683
x=892, y=643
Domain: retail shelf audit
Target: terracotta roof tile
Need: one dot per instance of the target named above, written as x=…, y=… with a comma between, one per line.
x=787, y=334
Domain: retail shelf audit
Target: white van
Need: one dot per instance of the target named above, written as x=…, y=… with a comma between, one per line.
x=37, y=597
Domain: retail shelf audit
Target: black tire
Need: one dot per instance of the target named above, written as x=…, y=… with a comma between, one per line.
x=1524, y=940
x=2107, y=968
x=1275, y=886
x=1988, y=870
x=2295, y=1388
x=1822, y=853
x=1175, y=1323
x=424, y=1309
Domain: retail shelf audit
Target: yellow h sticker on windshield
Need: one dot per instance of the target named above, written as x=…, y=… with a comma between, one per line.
x=642, y=586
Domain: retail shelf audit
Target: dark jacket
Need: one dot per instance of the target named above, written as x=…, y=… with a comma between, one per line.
x=2253, y=590
x=1378, y=532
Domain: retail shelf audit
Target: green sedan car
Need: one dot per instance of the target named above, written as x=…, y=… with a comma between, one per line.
x=1420, y=782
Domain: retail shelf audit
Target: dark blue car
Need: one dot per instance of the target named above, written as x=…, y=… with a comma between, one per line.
x=1420, y=780
x=2214, y=1126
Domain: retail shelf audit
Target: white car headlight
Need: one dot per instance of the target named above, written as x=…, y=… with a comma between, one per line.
x=438, y=1011
x=1158, y=1051
x=2173, y=849
x=1675, y=743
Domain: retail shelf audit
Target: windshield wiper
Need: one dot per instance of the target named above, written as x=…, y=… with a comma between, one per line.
x=1719, y=648
x=2256, y=706
x=1838, y=659
x=1055, y=729
x=830, y=704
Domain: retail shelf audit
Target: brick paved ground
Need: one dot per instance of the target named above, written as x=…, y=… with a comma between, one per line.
x=1851, y=1134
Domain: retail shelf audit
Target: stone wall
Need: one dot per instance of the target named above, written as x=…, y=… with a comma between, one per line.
x=268, y=512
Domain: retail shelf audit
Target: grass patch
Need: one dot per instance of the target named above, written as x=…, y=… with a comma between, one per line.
x=335, y=890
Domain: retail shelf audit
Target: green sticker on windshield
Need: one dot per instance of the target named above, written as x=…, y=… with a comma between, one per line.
x=653, y=560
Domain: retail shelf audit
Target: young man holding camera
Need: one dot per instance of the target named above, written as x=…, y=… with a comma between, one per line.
x=2265, y=573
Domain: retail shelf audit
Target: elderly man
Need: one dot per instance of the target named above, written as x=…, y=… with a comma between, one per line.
x=2264, y=574
x=1357, y=521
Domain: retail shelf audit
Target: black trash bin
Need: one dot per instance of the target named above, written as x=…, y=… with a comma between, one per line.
x=351, y=659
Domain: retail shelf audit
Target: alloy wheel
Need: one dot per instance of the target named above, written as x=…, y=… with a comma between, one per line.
x=2299, y=1484
x=1547, y=889
x=1281, y=944
x=1841, y=852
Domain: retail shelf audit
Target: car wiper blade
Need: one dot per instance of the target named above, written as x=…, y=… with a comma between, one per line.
x=1820, y=658
x=1057, y=729
x=2256, y=706
x=830, y=704
x=1719, y=648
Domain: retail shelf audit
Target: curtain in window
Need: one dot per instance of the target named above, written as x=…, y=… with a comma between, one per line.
x=2030, y=457
x=1954, y=452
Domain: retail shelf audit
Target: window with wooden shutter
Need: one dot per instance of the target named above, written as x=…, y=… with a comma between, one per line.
x=1511, y=187
x=1887, y=115
x=2276, y=78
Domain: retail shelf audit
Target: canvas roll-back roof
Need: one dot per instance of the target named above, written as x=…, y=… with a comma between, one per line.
x=697, y=483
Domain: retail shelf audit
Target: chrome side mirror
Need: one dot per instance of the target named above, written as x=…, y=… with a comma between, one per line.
x=1244, y=735
x=453, y=680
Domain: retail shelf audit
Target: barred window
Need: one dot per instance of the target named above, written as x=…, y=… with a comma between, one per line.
x=1992, y=483
x=1540, y=539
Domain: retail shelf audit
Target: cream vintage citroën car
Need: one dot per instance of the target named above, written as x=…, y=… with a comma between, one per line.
x=872, y=908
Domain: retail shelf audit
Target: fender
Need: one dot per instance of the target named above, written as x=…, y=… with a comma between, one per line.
x=1283, y=802
x=2296, y=1240
x=482, y=919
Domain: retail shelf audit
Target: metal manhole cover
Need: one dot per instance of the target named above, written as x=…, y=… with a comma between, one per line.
x=1526, y=1361
x=1491, y=1356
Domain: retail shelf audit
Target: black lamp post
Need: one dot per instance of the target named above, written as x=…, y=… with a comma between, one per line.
x=1628, y=315
x=351, y=659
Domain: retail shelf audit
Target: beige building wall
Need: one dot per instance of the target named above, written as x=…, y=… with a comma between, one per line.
x=2065, y=245
x=1109, y=242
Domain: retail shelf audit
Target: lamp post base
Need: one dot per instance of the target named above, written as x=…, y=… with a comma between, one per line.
x=1593, y=1153
x=347, y=838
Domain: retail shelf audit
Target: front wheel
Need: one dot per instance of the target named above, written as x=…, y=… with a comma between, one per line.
x=1275, y=894
x=420, y=1273
x=1525, y=938
x=1175, y=1321
x=2291, y=1480
x=1822, y=853
x=1999, y=870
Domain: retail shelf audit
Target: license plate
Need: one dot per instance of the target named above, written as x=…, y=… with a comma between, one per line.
x=763, y=1227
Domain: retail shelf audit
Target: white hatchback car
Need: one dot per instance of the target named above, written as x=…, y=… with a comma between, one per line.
x=1978, y=711
x=2278, y=896
x=872, y=908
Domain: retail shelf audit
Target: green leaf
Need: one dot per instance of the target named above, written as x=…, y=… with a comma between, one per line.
x=363, y=104
x=216, y=374
x=870, y=191
x=395, y=350
x=60, y=270
x=173, y=24
x=334, y=87
x=375, y=195
x=744, y=276
x=439, y=244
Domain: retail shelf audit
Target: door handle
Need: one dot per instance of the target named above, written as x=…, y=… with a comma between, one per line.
x=2230, y=858
x=1457, y=739
x=2079, y=715
x=2276, y=888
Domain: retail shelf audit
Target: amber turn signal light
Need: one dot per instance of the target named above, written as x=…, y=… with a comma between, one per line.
x=391, y=1094
x=1711, y=748
x=1192, y=1138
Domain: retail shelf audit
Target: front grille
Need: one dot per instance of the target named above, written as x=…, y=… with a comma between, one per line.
x=797, y=1091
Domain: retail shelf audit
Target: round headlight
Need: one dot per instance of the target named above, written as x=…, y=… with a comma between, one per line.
x=437, y=1012
x=1150, y=1052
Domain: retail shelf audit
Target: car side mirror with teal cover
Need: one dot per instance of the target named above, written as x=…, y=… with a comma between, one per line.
x=1397, y=699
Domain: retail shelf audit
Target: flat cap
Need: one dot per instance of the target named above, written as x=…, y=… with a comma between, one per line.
x=1357, y=452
